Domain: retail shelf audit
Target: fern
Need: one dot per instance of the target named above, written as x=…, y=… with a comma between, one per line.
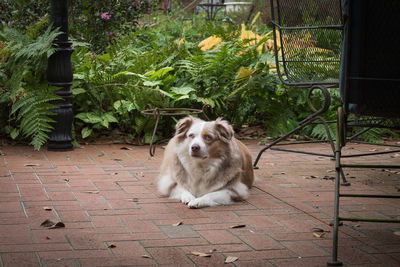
x=23, y=77
x=33, y=113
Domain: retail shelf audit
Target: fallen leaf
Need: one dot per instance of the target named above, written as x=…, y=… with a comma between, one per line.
x=311, y=177
x=395, y=155
x=397, y=233
x=373, y=150
x=47, y=223
x=212, y=250
x=47, y=208
x=283, y=173
x=230, y=259
x=134, y=199
x=57, y=225
x=66, y=179
x=140, y=174
x=112, y=246
x=100, y=155
x=328, y=178
x=330, y=170
x=125, y=148
x=318, y=230
x=92, y=192
x=238, y=226
x=117, y=159
x=200, y=254
x=31, y=164
x=177, y=224
x=48, y=238
x=319, y=235
x=146, y=256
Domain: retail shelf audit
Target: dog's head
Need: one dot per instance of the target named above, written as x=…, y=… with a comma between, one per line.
x=204, y=139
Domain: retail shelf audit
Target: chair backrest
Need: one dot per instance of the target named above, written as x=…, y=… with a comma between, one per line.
x=308, y=41
x=370, y=73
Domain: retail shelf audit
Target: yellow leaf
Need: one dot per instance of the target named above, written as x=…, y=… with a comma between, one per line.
x=181, y=41
x=250, y=35
x=244, y=73
x=210, y=42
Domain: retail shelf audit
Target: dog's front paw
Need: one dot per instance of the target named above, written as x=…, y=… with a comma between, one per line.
x=201, y=202
x=187, y=197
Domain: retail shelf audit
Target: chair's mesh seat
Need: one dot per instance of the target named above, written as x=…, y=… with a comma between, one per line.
x=309, y=36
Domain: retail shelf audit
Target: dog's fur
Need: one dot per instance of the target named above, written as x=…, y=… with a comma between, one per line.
x=204, y=165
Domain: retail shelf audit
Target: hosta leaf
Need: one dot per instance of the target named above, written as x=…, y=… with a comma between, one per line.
x=151, y=83
x=105, y=123
x=86, y=132
x=109, y=117
x=166, y=93
x=184, y=90
x=78, y=91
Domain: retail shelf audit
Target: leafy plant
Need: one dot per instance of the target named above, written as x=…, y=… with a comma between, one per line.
x=24, y=94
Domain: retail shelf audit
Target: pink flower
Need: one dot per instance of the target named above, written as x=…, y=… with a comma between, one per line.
x=105, y=16
x=10, y=24
x=135, y=4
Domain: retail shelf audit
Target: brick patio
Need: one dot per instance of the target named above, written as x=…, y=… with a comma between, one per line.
x=113, y=216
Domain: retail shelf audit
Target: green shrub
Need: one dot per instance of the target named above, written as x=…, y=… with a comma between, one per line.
x=24, y=94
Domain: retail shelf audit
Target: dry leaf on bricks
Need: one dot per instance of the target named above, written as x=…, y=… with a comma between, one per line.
x=238, y=226
x=57, y=225
x=47, y=223
x=230, y=259
x=201, y=254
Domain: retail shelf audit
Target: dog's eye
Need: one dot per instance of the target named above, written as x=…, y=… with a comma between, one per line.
x=207, y=137
x=191, y=135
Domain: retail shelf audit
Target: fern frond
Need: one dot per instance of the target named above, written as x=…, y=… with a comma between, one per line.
x=34, y=111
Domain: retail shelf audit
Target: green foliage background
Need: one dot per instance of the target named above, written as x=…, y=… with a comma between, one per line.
x=120, y=68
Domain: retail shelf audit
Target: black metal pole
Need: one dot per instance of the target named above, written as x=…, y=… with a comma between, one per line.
x=59, y=74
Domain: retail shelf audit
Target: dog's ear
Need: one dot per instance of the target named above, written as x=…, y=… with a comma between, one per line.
x=183, y=126
x=224, y=130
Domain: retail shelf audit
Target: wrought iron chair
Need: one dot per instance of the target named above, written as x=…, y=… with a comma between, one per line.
x=307, y=39
x=369, y=85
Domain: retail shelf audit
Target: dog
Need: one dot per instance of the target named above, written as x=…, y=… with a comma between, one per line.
x=205, y=165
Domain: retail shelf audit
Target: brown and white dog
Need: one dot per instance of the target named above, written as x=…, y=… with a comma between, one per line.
x=204, y=165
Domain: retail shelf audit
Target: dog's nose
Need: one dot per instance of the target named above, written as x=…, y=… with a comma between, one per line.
x=195, y=147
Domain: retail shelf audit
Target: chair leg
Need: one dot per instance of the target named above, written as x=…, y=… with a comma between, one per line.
x=339, y=171
x=302, y=125
x=335, y=261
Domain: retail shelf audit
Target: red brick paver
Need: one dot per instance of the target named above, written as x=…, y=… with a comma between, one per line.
x=113, y=215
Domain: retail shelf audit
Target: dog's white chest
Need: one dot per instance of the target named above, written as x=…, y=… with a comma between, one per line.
x=201, y=176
